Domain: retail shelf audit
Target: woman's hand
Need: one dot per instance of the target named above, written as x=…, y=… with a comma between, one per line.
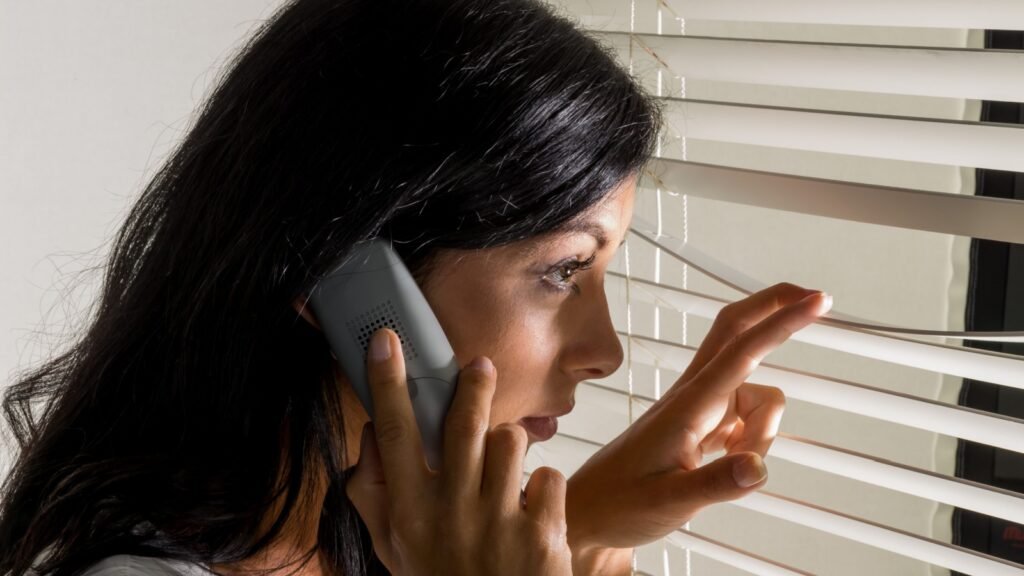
x=471, y=517
x=649, y=480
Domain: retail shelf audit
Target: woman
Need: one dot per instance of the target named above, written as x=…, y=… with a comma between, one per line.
x=200, y=423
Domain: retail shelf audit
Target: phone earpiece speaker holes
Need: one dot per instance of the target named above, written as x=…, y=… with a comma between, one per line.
x=382, y=315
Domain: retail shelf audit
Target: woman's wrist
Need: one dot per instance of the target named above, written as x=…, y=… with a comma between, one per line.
x=591, y=554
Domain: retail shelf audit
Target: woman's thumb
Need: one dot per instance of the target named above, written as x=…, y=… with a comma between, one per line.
x=732, y=476
x=727, y=478
x=748, y=470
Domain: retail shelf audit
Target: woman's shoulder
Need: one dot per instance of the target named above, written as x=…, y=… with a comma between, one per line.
x=129, y=565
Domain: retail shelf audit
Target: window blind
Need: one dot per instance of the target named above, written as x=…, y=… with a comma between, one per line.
x=833, y=145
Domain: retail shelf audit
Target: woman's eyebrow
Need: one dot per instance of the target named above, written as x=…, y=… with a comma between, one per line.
x=590, y=227
x=531, y=248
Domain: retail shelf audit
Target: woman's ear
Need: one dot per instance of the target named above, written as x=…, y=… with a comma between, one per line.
x=301, y=306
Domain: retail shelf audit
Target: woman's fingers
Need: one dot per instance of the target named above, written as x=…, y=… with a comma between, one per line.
x=741, y=355
x=736, y=318
x=503, y=467
x=397, y=434
x=699, y=406
x=465, y=432
x=743, y=333
x=760, y=409
x=468, y=518
x=545, y=499
x=659, y=455
x=686, y=492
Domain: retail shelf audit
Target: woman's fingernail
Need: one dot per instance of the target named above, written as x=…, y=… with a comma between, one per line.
x=380, y=346
x=824, y=300
x=749, y=471
x=483, y=364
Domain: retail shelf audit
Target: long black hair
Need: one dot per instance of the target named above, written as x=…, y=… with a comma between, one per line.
x=196, y=395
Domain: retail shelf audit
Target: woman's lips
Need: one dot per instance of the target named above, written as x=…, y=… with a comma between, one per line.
x=540, y=429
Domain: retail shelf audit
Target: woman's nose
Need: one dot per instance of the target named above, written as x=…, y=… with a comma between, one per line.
x=595, y=348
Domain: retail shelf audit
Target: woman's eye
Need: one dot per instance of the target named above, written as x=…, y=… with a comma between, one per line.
x=557, y=277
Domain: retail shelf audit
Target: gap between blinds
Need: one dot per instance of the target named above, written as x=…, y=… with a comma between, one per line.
x=632, y=30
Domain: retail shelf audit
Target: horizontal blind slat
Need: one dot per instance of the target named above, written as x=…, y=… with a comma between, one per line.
x=895, y=476
x=974, y=216
x=877, y=535
x=737, y=280
x=731, y=555
x=955, y=143
x=920, y=71
x=981, y=14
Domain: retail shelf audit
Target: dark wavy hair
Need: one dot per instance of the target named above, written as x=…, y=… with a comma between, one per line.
x=195, y=395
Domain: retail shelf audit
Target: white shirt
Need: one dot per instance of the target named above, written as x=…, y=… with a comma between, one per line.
x=128, y=565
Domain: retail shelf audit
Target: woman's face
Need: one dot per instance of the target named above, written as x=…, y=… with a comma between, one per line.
x=516, y=305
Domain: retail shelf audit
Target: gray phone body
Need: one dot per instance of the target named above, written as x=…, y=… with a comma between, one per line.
x=372, y=289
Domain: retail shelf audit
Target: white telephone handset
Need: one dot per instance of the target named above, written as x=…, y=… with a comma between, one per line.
x=373, y=289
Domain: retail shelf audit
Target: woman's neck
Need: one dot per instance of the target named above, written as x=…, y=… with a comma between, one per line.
x=295, y=549
x=298, y=537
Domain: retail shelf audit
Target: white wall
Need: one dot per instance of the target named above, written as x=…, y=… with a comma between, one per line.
x=93, y=94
